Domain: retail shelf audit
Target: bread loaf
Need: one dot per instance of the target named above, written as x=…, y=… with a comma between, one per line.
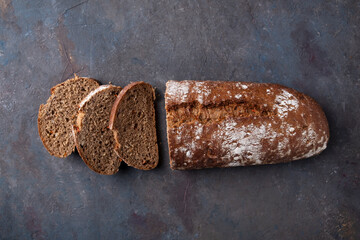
x=227, y=124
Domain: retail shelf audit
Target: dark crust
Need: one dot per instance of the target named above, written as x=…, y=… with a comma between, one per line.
x=208, y=154
x=118, y=100
x=40, y=114
x=75, y=131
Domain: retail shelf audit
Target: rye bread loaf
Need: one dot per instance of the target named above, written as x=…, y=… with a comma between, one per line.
x=94, y=140
x=133, y=123
x=56, y=117
x=227, y=124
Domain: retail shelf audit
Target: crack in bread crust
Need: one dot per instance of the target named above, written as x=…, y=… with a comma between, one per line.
x=189, y=113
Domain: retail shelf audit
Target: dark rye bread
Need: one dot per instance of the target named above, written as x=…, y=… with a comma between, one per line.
x=226, y=124
x=133, y=123
x=94, y=140
x=57, y=116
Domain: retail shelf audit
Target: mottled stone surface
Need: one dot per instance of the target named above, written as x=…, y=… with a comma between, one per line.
x=312, y=46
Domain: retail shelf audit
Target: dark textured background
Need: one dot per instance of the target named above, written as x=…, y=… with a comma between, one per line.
x=312, y=46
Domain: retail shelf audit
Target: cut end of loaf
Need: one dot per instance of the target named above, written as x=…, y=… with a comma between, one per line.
x=133, y=123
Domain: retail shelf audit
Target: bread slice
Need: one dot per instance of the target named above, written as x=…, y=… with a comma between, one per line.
x=94, y=140
x=132, y=120
x=57, y=116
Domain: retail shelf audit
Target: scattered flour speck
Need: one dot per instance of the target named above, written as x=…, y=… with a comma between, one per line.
x=201, y=91
x=285, y=102
x=234, y=164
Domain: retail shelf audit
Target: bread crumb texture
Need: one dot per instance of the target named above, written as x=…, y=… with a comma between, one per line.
x=94, y=140
x=57, y=116
x=134, y=126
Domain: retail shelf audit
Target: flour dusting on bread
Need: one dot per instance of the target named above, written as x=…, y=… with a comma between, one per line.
x=242, y=144
x=285, y=102
x=178, y=91
x=226, y=124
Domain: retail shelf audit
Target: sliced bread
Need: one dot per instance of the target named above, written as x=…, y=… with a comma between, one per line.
x=57, y=116
x=94, y=140
x=132, y=120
